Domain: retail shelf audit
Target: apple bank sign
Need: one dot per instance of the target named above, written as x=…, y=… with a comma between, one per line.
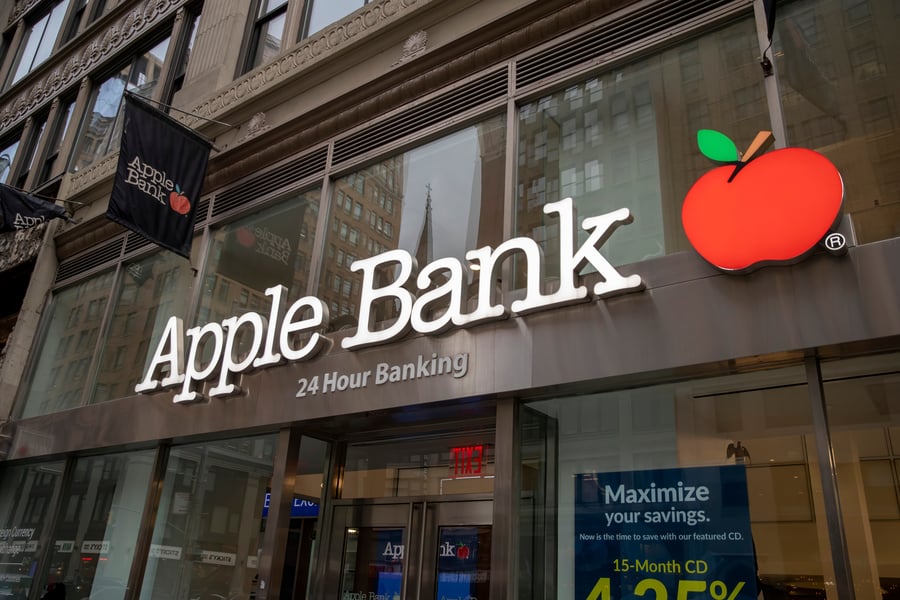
x=764, y=209
x=442, y=283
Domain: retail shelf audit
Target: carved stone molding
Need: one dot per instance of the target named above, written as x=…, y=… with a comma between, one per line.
x=414, y=45
x=20, y=246
x=21, y=7
x=375, y=15
x=81, y=60
x=256, y=126
x=75, y=183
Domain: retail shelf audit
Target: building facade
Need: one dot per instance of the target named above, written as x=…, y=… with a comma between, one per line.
x=419, y=350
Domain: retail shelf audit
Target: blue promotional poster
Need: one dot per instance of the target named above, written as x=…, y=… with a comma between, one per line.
x=464, y=562
x=680, y=533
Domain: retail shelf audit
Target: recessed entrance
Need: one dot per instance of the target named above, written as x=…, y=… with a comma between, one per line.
x=416, y=549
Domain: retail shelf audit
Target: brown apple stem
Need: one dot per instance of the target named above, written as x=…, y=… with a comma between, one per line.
x=760, y=143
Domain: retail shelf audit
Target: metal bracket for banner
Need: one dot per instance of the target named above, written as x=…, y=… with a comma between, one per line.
x=184, y=112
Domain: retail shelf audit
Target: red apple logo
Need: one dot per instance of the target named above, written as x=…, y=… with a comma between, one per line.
x=462, y=552
x=245, y=237
x=179, y=202
x=770, y=209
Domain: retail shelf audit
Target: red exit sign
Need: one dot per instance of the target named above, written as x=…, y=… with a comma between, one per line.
x=467, y=460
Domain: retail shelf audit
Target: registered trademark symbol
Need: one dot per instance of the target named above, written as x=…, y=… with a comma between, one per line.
x=835, y=243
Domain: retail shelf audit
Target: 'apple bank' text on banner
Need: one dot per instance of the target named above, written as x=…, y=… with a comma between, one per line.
x=681, y=533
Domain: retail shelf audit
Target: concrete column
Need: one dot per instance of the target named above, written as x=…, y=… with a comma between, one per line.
x=22, y=339
x=212, y=64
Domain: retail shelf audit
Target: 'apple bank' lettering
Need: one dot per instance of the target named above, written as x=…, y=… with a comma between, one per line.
x=271, y=339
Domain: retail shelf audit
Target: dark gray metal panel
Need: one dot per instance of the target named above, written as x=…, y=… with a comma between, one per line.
x=689, y=315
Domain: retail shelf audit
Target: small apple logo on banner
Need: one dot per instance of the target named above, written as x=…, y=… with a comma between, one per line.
x=179, y=202
x=755, y=211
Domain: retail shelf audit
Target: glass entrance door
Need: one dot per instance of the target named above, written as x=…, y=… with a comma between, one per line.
x=415, y=550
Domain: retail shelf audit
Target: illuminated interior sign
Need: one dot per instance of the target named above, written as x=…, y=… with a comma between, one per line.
x=443, y=284
x=467, y=461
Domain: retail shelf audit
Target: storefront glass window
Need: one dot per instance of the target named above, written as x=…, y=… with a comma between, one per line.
x=26, y=494
x=606, y=499
x=61, y=369
x=270, y=247
x=420, y=467
x=862, y=396
x=152, y=290
x=628, y=138
x=95, y=533
x=439, y=200
x=834, y=61
x=206, y=542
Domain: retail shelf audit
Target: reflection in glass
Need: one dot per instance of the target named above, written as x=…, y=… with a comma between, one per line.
x=439, y=200
x=7, y=155
x=839, y=101
x=152, y=290
x=627, y=138
x=67, y=348
x=269, y=43
x=326, y=12
x=102, y=123
x=372, y=564
x=863, y=403
x=707, y=422
x=300, y=552
x=206, y=541
x=270, y=247
x=38, y=40
x=100, y=515
x=464, y=562
x=26, y=494
x=420, y=467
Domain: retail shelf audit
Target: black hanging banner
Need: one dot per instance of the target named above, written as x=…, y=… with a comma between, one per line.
x=19, y=210
x=161, y=168
x=769, y=9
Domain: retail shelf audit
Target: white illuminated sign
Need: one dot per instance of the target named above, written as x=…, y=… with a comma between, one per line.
x=271, y=336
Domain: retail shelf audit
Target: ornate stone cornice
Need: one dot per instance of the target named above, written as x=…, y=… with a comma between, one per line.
x=83, y=59
x=21, y=7
x=74, y=183
x=319, y=47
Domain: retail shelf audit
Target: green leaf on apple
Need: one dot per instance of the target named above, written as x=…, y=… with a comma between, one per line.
x=717, y=146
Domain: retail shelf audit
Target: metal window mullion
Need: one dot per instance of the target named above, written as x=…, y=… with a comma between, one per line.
x=773, y=91
x=148, y=523
x=510, y=186
x=199, y=273
x=53, y=515
x=108, y=312
x=318, y=252
x=275, y=538
x=843, y=577
x=335, y=461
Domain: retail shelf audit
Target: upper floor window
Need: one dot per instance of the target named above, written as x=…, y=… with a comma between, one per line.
x=325, y=12
x=51, y=164
x=38, y=41
x=268, y=31
x=102, y=123
x=7, y=155
x=29, y=149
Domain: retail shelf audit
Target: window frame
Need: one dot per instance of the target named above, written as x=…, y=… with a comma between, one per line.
x=255, y=26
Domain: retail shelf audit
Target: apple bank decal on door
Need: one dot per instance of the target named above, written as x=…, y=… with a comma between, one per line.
x=441, y=284
x=762, y=209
